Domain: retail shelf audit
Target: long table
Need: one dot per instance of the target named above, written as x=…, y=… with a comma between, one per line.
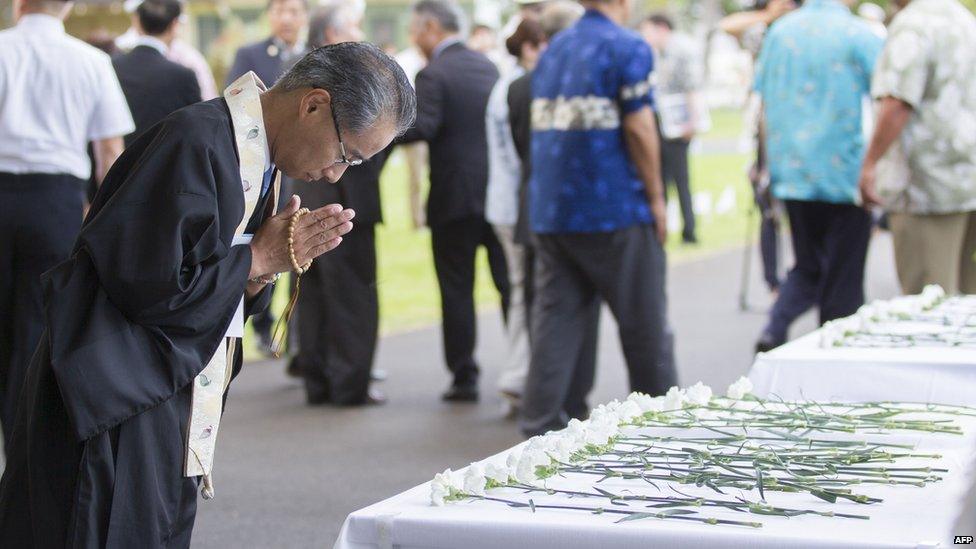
x=803, y=369
x=909, y=517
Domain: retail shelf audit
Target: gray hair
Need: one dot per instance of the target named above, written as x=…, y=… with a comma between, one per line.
x=447, y=14
x=366, y=85
x=336, y=17
x=559, y=15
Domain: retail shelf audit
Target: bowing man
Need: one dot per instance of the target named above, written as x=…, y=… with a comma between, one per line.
x=121, y=406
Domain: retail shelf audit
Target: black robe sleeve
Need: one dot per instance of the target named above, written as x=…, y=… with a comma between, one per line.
x=153, y=282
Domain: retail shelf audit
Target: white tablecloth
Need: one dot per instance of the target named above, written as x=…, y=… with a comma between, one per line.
x=801, y=369
x=909, y=517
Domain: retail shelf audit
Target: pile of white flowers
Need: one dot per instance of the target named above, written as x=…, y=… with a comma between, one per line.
x=536, y=460
x=833, y=333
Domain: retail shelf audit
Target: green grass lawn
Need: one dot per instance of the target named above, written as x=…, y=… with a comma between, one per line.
x=408, y=287
x=726, y=124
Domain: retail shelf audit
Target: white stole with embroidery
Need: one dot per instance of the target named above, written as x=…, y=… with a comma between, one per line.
x=244, y=103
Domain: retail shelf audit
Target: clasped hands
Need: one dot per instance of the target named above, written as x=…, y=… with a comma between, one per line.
x=317, y=232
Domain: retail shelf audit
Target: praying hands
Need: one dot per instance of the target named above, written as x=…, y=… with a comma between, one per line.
x=315, y=233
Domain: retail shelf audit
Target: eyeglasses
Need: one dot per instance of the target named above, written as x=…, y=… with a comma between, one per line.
x=342, y=147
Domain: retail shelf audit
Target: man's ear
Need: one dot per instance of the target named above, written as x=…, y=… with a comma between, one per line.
x=315, y=100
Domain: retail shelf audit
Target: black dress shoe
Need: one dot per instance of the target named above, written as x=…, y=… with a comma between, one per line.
x=318, y=399
x=767, y=343
x=374, y=397
x=294, y=369
x=461, y=393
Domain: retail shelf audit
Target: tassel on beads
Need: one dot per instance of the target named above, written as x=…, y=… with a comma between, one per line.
x=281, y=328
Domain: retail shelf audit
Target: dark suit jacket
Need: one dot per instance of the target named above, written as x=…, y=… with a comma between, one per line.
x=153, y=86
x=358, y=188
x=452, y=95
x=255, y=57
x=520, y=119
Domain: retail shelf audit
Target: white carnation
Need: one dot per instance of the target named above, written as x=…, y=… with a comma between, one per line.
x=602, y=414
x=699, y=394
x=498, y=473
x=576, y=431
x=539, y=442
x=931, y=296
x=833, y=332
x=674, y=399
x=563, y=447
x=629, y=410
x=527, y=463
x=512, y=461
x=601, y=428
x=475, y=480
x=607, y=409
x=904, y=306
x=739, y=389
x=830, y=335
x=646, y=402
x=442, y=486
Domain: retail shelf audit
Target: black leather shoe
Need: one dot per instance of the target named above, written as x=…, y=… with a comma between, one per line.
x=294, y=369
x=318, y=399
x=374, y=397
x=461, y=393
x=767, y=343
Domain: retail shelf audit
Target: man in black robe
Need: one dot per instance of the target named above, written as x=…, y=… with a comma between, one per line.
x=102, y=452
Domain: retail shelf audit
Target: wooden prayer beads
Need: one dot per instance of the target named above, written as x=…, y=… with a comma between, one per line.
x=299, y=269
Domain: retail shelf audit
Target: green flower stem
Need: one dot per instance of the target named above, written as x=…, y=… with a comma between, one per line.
x=746, y=482
x=740, y=505
x=636, y=514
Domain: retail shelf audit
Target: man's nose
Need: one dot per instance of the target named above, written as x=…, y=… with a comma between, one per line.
x=334, y=172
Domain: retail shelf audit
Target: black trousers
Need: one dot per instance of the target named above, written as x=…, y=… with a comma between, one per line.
x=624, y=268
x=40, y=217
x=455, y=245
x=830, y=243
x=768, y=238
x=338, y=320
x=674, y=171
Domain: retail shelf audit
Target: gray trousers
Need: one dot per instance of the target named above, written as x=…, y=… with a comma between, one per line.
x=625, y=269
x=512, y=378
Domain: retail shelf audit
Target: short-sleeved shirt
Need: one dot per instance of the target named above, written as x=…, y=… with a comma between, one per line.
x=813, y=74
x=929, y=62
x=56, y=94
x=590, y=77
x=504, y=164
x=679, y=68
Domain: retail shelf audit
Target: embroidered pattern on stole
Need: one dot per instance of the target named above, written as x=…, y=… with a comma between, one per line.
x=247, y=118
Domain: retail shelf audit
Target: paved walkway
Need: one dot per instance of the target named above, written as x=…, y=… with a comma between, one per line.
x=287, y=475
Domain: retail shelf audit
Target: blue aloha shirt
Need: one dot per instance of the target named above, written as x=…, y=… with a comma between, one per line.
x=814, y=73
x=591, y=76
